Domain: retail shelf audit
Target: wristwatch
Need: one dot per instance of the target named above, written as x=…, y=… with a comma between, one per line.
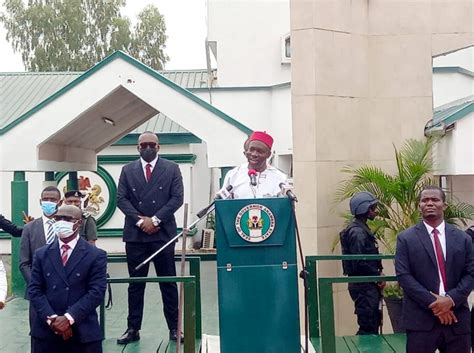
x=156, y=221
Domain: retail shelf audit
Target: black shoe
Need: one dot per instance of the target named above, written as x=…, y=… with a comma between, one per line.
x=128, y=336
x=174, y=335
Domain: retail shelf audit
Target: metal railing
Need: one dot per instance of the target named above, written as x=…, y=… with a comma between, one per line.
x=320, y=290
x=192, y=298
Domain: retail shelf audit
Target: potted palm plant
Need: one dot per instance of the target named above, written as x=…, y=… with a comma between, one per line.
x=398, y=200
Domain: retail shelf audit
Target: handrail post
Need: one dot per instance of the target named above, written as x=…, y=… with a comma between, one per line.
x=328, y=332
x=189, y=317
x=195, y=270
x=313, y=305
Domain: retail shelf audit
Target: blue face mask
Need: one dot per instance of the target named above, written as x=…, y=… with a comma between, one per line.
x=48, y=207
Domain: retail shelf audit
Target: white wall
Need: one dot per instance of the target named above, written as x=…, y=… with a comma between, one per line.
x=463, y=58
x=248, y=35
x=448, y=87
x=196, y=179
x=455, y=151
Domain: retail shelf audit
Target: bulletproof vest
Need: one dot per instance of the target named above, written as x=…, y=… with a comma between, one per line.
x=347, y=266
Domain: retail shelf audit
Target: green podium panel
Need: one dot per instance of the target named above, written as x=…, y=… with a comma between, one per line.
x=257, y=276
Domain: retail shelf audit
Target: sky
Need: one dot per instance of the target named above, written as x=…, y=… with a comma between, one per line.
x=185, y=27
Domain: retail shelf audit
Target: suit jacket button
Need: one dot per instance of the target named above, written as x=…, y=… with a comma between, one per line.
x=139, y=202
x=54, y=287
x=133, y=189
x=153, y=201
x=78, y=274
x=48, y=274
x=161, y=188
x=67, y=288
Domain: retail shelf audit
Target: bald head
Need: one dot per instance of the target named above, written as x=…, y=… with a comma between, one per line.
x=69, y=211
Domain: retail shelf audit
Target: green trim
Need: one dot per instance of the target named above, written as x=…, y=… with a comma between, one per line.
x=459, y=114
x=174, y=138
x=117, y=232
x=123, y=159
x=110, y=183
x=49, y=176
x=140, y=66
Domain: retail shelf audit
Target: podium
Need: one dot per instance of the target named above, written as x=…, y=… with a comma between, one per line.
x=257, y=276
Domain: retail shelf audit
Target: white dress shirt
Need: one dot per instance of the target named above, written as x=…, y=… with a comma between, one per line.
x=268, y=182
x=442, y=240
x=144, y=164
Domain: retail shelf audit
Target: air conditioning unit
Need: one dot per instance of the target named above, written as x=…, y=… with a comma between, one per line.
x=207, y=239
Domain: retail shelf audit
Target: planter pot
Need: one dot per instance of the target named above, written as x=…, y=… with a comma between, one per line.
x=394, y=308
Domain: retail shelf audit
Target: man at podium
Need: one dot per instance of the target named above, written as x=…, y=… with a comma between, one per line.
x=256, y=178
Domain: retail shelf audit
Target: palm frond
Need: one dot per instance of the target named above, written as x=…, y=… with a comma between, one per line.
x=398, y=193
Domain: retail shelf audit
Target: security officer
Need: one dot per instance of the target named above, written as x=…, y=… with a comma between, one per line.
x=88, y=227
x=357, y=239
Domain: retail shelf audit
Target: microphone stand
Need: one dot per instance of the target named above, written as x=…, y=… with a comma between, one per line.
x=201, y=216
x=304, y=272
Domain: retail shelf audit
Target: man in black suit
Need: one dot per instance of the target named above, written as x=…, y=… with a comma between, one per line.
x=150, y=191
x=36, y=234
x=10, y=227
x=68, y=282
x=435, y=267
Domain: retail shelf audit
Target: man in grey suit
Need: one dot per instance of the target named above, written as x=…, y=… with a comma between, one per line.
x=150, y=190
x=38, y=233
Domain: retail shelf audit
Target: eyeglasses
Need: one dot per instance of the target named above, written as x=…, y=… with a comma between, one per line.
x=145, y=145
x=64, y=218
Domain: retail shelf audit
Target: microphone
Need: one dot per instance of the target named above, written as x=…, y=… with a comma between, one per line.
x=222, y=194
x=287, y=190
x=253, y=177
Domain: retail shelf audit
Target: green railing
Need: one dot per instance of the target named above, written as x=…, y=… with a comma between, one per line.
x=320, y=290
x=192, y=298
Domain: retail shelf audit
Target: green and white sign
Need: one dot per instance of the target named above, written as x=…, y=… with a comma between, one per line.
x=255, y=223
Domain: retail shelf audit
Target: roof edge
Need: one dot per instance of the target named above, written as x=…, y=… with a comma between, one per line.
x=155, y=74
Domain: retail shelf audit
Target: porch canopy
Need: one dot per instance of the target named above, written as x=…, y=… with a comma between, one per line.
x=67, y=130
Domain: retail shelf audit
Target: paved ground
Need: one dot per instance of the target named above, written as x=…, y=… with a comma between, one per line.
x=154, y=335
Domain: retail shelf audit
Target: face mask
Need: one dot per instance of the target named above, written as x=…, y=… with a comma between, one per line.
x=63, y=229
x=148, y=154
x=48, y=207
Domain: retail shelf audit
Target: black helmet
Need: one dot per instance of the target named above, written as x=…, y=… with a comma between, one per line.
x=361, y=202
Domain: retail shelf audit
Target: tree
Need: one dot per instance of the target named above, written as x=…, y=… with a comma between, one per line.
x=73, y=35
x=398, y=193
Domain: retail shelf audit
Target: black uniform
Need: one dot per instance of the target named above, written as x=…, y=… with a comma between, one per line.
x=357, y=239
x=88, y=228
x=9, y=227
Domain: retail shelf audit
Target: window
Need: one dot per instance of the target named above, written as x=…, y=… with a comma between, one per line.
x=286, y=49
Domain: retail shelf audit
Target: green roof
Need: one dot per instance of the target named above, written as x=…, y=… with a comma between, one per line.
x=22, y=91
x=451, y=112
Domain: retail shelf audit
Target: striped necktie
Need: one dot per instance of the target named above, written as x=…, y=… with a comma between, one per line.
x=64, y=256
x=50, y=236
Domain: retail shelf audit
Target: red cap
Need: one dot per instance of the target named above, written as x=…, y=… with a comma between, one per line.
x=263, y=137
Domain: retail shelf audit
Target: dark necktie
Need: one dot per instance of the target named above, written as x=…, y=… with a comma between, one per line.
x=148, y=172
x=64, y=250
x=440, y=257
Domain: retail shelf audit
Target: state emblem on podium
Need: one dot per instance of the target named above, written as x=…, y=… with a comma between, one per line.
x=255, y=223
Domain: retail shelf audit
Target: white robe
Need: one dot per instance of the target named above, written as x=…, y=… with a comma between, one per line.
x=268, y=182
